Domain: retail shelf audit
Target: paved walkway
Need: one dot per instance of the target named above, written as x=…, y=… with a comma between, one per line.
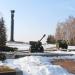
x=67, y=64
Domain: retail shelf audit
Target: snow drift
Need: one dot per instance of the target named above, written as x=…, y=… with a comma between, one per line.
x=36, y=65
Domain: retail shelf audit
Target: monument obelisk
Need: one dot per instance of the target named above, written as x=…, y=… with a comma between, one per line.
x=12, y=26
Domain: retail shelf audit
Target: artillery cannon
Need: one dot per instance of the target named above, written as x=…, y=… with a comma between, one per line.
x=36, y=46
x=62, y=44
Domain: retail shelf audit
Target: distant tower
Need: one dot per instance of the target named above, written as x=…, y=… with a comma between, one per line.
x=12, y=26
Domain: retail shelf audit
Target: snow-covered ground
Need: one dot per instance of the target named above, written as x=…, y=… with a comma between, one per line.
x=71, y=47
x=53, y=45
x=19, y=46
x=36, y=65
x=26, y=46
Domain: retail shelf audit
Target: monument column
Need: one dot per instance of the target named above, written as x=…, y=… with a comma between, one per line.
x=12, y=26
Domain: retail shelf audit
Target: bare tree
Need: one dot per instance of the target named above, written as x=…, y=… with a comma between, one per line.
x=66, y=30
x=58, y=34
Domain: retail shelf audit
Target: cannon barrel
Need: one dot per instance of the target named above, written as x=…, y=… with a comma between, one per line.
x=42, y=37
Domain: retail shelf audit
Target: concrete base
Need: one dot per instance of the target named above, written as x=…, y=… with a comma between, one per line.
x=17, y=72
x=8, y=73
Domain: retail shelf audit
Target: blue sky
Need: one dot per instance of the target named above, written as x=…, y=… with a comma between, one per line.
x=33, y=18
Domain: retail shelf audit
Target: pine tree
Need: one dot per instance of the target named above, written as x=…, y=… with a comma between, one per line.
x=51, y=39
x=2, y=33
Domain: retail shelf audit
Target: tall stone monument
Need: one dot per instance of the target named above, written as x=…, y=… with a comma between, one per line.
x=12, y=26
